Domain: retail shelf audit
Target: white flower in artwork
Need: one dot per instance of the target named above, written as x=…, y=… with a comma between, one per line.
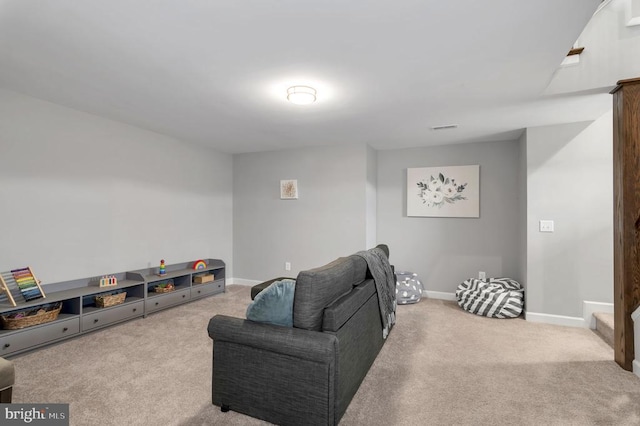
x=440, y=190
x=427, y=197
x=437, y=197
x=449, y=190
x=434, y=184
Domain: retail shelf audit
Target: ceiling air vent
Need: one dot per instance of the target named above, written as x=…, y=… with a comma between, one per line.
x=443, y=127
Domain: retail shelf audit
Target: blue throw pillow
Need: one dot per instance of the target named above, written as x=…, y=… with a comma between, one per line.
x=274, y=304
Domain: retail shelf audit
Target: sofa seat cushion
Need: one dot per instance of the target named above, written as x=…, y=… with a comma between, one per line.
x=495, y=297
x=274, y=304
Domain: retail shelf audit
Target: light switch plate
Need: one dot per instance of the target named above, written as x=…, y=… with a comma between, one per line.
x=546, y=226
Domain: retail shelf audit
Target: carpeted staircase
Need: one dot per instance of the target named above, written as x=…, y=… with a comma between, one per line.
x=604, y=326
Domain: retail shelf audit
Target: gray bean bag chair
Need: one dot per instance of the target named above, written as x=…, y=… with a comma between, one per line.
x=494, y=297
x=409, y=288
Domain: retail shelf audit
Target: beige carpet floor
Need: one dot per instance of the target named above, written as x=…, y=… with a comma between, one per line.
x=440, y=366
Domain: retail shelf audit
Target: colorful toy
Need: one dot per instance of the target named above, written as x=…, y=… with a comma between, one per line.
x=162, y=270
x=108, y=281
x=25, y=281
x=199, y=264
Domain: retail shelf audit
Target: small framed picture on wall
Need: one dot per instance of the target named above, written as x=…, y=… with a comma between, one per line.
x=289, y=189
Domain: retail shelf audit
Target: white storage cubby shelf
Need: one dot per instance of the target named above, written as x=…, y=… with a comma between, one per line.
x=80, y=314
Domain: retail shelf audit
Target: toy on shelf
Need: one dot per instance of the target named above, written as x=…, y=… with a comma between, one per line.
x=108, y=281
x=26, y=283
x=162, y=271
x=199, y=264
x=164, y=287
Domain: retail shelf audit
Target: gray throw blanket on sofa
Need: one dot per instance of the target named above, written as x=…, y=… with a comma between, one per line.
x=385, y=282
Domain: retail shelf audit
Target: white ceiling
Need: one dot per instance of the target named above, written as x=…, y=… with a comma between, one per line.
x=216, y=72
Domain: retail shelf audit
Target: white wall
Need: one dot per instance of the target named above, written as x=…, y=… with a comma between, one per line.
x=446, y=251
x=610, y=52
x=570, y=181
x=85, y=196
x=522, y=210
x=372, y=197
x=328, y=220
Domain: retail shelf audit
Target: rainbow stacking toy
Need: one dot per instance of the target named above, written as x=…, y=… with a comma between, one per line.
x=199, y=264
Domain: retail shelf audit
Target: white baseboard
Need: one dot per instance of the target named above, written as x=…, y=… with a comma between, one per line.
x=440, y=295
x=588, y=308
x=635, y=315
x=636, y=367
x=242, y=281
x=555, y=319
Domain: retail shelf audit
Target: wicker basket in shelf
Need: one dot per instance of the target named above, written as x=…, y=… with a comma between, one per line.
x=40, y=317
x=166, y=289
x=106, y=300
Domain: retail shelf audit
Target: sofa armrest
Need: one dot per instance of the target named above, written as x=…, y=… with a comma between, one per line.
x=279, y=374
x=304, y=344
x=7, y=379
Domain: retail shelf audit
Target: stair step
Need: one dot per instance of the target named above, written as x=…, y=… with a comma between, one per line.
x=604, y=326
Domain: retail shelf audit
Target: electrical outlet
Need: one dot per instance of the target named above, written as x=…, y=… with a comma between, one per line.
x=482, y=275
x=546, y=226
x=287, y=266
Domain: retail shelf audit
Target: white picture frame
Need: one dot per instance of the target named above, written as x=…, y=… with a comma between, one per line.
x=447, y=191
x=289, y=189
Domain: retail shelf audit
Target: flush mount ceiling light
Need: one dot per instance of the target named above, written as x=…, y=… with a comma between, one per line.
x=301, y=95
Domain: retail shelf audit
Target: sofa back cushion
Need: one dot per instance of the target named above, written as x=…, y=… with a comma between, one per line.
x=343, y=309
x=319, y=287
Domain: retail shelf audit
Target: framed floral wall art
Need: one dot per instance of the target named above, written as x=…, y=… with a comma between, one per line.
x=451, y=191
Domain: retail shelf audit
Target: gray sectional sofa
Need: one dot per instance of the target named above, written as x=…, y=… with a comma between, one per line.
x=306, y=374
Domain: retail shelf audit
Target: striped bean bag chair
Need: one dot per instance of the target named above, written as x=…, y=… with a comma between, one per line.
x=495, y=297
